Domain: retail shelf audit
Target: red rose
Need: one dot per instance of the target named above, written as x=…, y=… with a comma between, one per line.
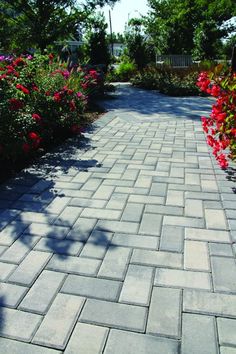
x=15, y=104
x=57, y=97
x=22, y=88
x=72, y=105
x=36, y=117
x=33, y=136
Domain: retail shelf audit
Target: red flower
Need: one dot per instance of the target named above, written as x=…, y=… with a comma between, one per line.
x=36, y=117
x=233, y=131
x=222, y=161
x=36, y=140
x=93, y=74
x=85, y=86
x=26, y=148
x=215, y=91
x=19, y=62
x=72, y=105
x=57, y=96
x=51, y=56
x=15, y=104
x=22, y=88
x=33, y=136
x=35, y=88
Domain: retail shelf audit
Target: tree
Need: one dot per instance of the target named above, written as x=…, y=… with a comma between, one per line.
x=207, y=43
x=39, y=23
x=176, y=25
x=97, y=43
x=137, y=44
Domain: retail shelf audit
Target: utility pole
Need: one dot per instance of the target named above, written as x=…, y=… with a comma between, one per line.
x=112, y=50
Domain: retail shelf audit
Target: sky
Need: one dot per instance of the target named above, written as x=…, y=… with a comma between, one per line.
x=122, y=10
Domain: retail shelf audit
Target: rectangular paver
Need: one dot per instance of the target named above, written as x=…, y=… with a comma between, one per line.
x=209, y=303
x=165, y=312
x=196, y=255
x=172, y=238
x=205, y=341
x=137, y=285
x=115, y=263
x=215, y=219
x=114, y=315
x=41, y=294
x=207, y=235
x=151, y=225
x=120, y=342
x=16, y=347
x=182, y=279
x=223, y=272
x=133, y=212
x=227, y=331
x=92, y=287
x=87, y=339
x=19, y=249
x=135, y=241
x=18, y=324
x=59, y=321
x=76, y=265
x=29, y=269
x=11, y=294
x=157, y=258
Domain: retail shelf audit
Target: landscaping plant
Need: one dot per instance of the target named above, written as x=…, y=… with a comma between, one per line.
x=40, y=100
x=220, y=127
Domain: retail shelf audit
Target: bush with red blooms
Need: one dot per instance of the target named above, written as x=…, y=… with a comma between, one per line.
x=39, y=101
x=220, y=127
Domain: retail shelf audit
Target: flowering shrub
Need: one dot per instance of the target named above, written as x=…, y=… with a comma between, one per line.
x=220, y=127
x=39, y=100
x=167, y=80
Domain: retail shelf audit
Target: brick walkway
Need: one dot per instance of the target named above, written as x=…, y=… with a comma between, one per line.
x=122, y=246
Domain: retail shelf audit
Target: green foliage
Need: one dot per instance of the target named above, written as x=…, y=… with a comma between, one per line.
x=173, y=82
x=38, y=24
x=139, y=49
x=179, y=26
x=39, y=102
x=123, y=72
x=97, y=44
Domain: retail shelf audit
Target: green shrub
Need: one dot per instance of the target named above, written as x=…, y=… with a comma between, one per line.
x=167, y=80
x=40, y=101
x=124, y=72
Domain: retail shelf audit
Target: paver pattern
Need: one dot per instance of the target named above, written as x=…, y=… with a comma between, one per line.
x=124, y=243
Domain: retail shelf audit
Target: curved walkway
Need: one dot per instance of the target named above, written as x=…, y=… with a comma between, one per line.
x=122, y=243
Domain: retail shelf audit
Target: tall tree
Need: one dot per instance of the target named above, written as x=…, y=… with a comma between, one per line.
x=97, y=41
x=138, y=47
x=173, y=24
x=39, y=23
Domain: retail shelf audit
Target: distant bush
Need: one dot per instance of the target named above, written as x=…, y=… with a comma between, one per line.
x=124, y=72
x=167, y=80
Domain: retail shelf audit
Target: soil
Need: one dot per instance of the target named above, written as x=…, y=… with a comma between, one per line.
x=9, y=169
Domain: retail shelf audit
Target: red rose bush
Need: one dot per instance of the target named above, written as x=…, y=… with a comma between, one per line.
x=40, y=100
x=220, y=127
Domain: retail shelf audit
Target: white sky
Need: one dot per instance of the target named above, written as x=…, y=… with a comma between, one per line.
x=121, y=11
